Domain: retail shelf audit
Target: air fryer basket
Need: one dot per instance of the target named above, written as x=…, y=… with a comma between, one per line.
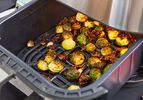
x=39, y=17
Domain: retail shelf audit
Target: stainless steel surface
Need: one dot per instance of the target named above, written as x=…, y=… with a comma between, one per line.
x=122, y=14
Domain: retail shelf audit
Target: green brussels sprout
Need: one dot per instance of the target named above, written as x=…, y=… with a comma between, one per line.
x=73, y=87
x=59, y=29
x=68, y=44
x=107, y=67
x=67, y=35
x=67, y=27
x=81, y=17
x=106, y=51
x=122, y=41
x=90, y=47
x=77, y=58
x=76, y=25
x=82, y=39
x=55, y=67
x=94, y=74
x=99, y=28
x=42, y=65
x=50, y=56
x=72, y=74
x=89, y=24
x=123, y=51
x=85, y=31
x=102, y=42
x=113, y=34
x=93, y=62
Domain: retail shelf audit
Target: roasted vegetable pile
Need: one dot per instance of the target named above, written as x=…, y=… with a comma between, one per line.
x=89, y=47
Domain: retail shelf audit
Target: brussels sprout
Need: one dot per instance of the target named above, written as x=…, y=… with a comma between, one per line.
x=122, y=41
x=93, y=61
x=59, y=29
x=77, y=58
x=81, y=17
x=73, y=87
x=90, y=47
x=72, y=74
x=107, y=67
x=84, y=30
x=89, y=24
x=102, y=35
x=42, y=65
x=84, y=79
x=113, y=34
x=30, y=43
x=68, y=44
x=67, y=35
x=55, y=67
x=50, y=56
x=102, y=42
x=67, y=27
x=123, y=51
x=98, y=28
x=76, y=25
x=72, y=19
x=106, y=51
x=94, y=74
x=82, y=39
x=96, y=23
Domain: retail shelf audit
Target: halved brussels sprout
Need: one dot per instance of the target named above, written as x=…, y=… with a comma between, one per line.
x=85, y=31
x=113, y=34
x=106, y=51
x=122, y=41
x=82, y=39
x=102, y=42
x=73, y=87
x=67, y=35
x=42, y=65
x=90, y=47
x=81, y=17
x=68, y=44
x=102, y=35
x=30, y=43
x=55, y=67
x=96, y=23
x=77, y=58
x=123, y=51
x=89, y=24
x=59, y=29
x=93, y=61
x=50, y=56
x=94, y=74
x=107, y=67
x=67, y=27
x=72, y=74
x=76, y=25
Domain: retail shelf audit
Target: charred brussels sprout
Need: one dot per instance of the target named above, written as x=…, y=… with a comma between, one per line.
x=67, y=35
x=68, y=44
x=59, y=29
x=30, y=43
x=81, y=17
x=84, y=79
x=82, y=39
x=89, y=24
x=113, y=34
x=102, y=42
x=67, y=27
x=76, y=25
x=50, y=56
x=107, y=67
x=96, y=23
x=55, y=67
x=99, y=28
x=77, y=58
x=94, y=74
x=102, y=35
x=84, y=30
x=94, y=61
x=73, y=87
x=90, y=47
x=42, y=65
x=122, y=41
x=123, y=51
x=72, y=74
x=106, y=51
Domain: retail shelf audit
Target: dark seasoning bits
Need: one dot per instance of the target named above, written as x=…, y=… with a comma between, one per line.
x=87, y=50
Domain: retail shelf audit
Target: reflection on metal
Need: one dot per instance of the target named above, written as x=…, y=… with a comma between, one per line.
x=121, y=14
